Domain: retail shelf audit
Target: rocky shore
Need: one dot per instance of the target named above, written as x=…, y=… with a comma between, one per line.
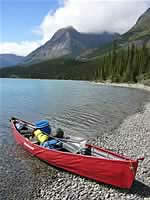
x=128, y=85
x=132, y=138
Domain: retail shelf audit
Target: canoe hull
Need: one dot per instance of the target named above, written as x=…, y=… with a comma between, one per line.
x=120, y=173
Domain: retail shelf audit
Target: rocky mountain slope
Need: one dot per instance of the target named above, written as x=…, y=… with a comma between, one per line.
x=7, y=60
x=140, y=32
x=68, y=42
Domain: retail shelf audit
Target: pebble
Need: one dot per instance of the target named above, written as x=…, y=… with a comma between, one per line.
x=132, y=138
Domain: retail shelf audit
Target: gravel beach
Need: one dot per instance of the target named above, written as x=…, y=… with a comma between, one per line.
x=131, y=138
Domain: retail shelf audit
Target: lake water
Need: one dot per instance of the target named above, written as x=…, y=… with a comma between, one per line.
x=80, y=108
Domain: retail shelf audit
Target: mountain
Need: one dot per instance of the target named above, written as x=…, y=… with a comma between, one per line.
x=68, y=42
x=114, y=61
x=7, y=60
x=140, y=32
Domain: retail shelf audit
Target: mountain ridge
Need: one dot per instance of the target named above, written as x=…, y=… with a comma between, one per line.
x=140, y=31
x=139, y=34
x=7, y=60
x=68, y=42
x=126, y=59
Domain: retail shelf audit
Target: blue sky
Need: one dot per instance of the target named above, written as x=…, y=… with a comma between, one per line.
x=27, y=24
x=21, y=17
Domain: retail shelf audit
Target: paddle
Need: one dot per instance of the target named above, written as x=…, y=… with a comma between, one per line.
x=80, y=142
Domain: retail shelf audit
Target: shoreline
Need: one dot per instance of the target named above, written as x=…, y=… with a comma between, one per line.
x=125, y=85
x=132, y=139
x=33, y=179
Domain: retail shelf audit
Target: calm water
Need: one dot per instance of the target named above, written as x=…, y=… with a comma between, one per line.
x=80, y=108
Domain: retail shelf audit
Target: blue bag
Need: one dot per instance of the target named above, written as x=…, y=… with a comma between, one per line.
x=52, y=144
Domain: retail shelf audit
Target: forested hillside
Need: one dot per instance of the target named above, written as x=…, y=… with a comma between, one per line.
x=55, y=69
x=126, y=59
x=125, y=65
x=118, y=65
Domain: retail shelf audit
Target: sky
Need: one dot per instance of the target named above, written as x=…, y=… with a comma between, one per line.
x=27, y=24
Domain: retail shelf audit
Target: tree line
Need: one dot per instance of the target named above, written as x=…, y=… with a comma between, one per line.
x=125, y=65
x=131, y=64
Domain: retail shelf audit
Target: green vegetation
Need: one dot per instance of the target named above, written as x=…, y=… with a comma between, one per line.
x=125, y=60
x=131, y=65
x=140, y=31
x=62, y=68
x=118, y=65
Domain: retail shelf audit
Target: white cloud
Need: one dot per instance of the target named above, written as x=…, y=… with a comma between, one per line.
x=86, y=16
x=93, y=16
x=20, y=48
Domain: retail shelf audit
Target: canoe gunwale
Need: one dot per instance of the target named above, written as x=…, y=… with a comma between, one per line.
x=124, y=158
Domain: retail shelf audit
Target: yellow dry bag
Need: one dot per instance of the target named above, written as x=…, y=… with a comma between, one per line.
x=40, y=136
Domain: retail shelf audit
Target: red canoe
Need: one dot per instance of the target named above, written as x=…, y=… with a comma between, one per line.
x=102, y=165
